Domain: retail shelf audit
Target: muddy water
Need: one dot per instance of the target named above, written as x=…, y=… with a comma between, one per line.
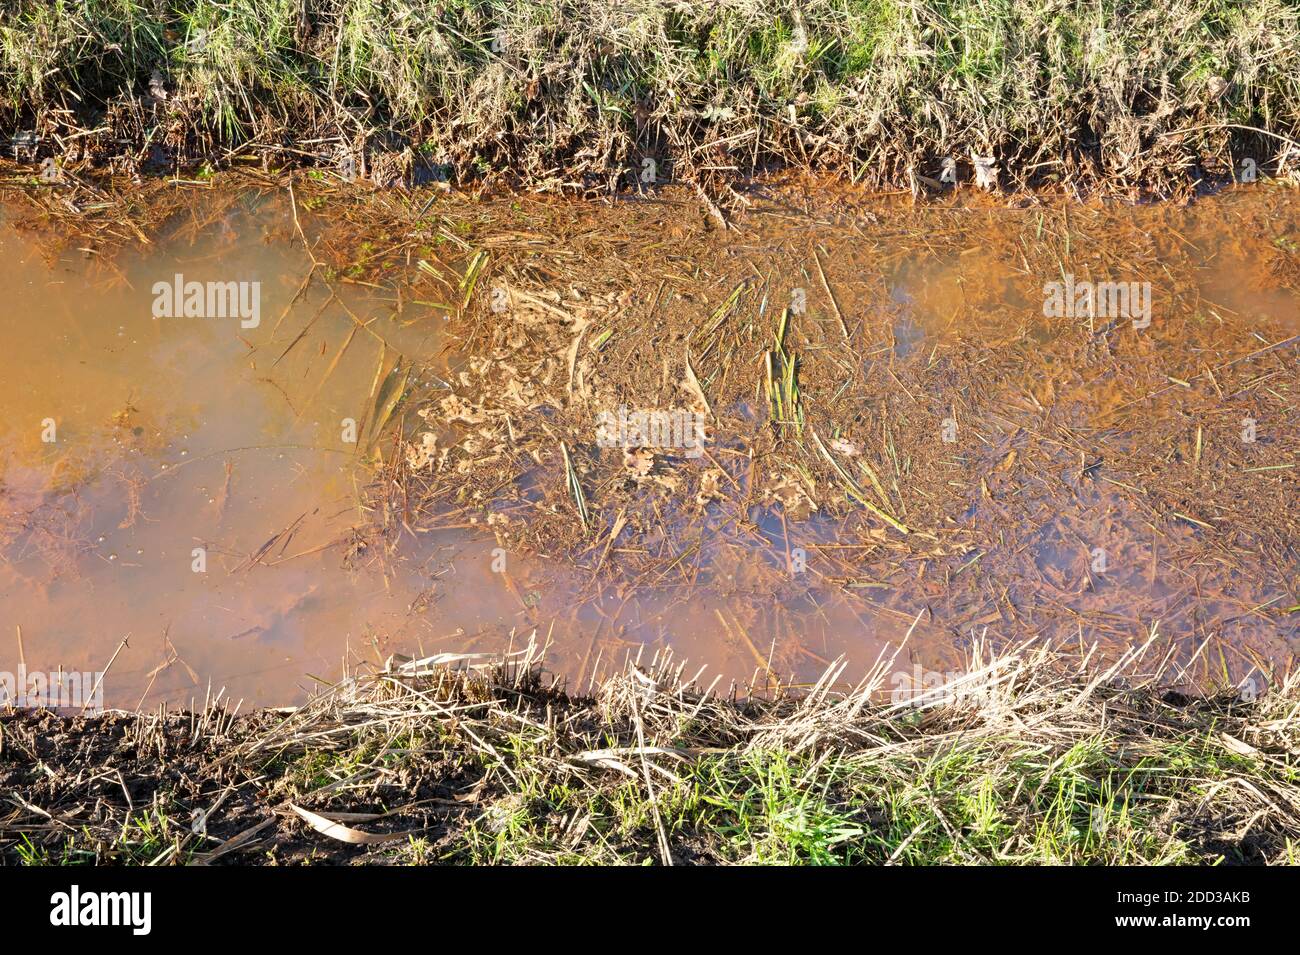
x=196, y=493
x=178, y=494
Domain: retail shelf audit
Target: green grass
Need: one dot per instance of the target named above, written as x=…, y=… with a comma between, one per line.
x=1027, y=760
x=773, y=807
x=145, y=838
x=1114, y=91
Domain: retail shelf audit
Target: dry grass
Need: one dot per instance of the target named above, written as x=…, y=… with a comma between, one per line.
x=1028, y=758
x=578, y=95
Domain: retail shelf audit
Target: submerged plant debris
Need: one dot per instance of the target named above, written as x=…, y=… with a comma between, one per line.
x=845, y=425
x=892, y=429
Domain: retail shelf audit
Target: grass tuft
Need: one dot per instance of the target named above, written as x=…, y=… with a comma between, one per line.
x=580, y=94
x=466, y=759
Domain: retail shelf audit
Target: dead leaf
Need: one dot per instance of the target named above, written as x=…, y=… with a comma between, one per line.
x=344, y=833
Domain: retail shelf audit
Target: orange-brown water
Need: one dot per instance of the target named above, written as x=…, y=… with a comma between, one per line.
x=174, y=434
x=180, y=440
